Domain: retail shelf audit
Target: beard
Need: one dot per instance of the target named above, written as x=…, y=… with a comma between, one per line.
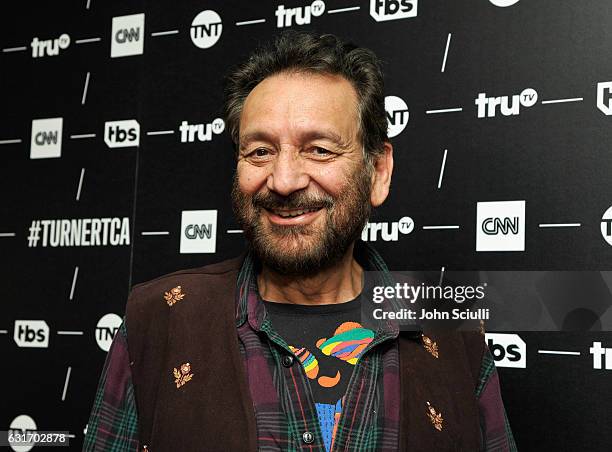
x=305, y=250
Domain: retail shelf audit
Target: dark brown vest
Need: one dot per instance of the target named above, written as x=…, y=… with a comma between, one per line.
x=214, y=411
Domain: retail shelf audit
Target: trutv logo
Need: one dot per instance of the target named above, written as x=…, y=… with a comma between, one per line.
x=382, y=10
x=508, y=350
x=389, y=232
x=203, y=132
x=301, y=14
x=49, y=47
x=127, y=35
x=508, y=105
x=602, y=357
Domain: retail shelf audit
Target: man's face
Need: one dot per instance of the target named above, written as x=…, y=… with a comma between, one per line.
x=301, y=191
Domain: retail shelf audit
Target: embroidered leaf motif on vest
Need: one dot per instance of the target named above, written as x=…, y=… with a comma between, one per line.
x=175, y=295
x=183, y=375
x=435, y=417
x=430, y=346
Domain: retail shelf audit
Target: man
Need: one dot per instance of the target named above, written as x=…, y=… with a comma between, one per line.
x=267, y=351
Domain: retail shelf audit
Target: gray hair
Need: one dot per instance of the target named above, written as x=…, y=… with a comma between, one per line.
x=312, y=53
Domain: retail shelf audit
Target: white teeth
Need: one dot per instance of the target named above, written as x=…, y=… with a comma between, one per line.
x=294, y=213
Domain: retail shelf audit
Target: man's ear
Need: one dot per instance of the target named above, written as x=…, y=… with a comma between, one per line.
x=381, y=177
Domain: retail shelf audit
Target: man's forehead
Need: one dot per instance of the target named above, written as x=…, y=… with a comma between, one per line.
x=311, y=106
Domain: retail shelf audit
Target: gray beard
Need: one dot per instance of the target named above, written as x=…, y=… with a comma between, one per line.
x=346, y=217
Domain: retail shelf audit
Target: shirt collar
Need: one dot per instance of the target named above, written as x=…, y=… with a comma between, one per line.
x=249, y=306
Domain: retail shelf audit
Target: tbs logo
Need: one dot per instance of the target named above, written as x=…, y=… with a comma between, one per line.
x=31, y=333
x=122, y=134
x=508, y=350
x=382, y=10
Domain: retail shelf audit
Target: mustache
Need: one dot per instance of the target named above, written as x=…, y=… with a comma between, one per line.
x=296, y=200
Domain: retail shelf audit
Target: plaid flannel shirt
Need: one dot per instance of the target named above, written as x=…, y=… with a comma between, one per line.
x=285, y=411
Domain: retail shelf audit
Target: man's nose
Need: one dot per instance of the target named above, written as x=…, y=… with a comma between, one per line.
x=288, y=174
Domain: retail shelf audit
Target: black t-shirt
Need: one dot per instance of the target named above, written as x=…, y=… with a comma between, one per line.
x=328, y=340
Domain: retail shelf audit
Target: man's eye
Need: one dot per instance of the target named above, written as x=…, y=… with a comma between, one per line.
x=260, y=152
x=321, y=151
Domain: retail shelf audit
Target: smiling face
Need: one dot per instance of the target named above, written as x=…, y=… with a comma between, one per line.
x=302, y=191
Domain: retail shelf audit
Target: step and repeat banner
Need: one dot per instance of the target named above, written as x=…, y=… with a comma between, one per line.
x=116, y=168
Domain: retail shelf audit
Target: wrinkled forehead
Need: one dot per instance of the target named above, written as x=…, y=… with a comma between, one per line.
x=292, y=106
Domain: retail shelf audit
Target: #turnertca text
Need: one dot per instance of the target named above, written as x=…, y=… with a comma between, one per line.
x=80, y=232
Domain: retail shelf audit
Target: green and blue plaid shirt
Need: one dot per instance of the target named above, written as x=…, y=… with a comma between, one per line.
x=285, y=413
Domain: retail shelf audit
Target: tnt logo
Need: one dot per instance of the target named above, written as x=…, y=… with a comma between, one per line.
x=487, y=106
x=31, y=333
x=49, y=47
x=397, y=115
x=508, y=350
x=198, y=231
x=606, y=226
x=602, y=357
x=106, y=329
x=24, y=426
x=503, y=3
x=206, y=29
x=500, y=226
x=389, y=232
x=122, y=134
x=302, y=14
x=127, y=35
x=203, y=132
x=382, y=10
x=46, y=138
x=604, y=97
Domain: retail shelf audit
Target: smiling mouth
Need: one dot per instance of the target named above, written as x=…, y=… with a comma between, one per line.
x=292, y=213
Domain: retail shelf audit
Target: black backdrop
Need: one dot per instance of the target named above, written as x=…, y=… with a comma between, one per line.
x=554, y=155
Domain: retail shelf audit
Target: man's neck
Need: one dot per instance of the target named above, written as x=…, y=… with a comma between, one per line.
x=338, y=284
